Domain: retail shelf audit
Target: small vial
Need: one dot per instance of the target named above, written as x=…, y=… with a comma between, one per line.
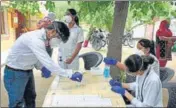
x=106, y=73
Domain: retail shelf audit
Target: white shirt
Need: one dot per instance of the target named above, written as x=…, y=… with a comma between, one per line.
x=152, y=90
x=29, y=50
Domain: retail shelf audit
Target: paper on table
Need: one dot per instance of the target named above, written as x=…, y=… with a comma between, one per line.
x=80, y=101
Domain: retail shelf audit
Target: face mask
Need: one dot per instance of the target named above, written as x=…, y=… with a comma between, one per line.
x=68, y=18
x=140, y=52
x=54, y=42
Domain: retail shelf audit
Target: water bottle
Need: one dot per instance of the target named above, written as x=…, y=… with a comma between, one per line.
x=106, y=73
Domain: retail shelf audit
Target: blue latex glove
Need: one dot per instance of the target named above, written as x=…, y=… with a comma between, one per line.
x=115, y=83
x=119, y=90
x=77, y=77
x=45, y=72
x=110, y=61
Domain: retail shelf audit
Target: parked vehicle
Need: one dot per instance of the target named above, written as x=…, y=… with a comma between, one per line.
x=98, y=39
x=127, y=39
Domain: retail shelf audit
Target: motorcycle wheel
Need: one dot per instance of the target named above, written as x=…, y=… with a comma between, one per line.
x=103, y=43
x=96, y=44
x=125, y=42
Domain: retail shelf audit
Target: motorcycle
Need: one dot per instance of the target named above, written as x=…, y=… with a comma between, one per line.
x=127, y=39
x=98, y=39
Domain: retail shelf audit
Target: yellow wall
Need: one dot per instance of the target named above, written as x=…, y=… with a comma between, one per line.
x=7, y=40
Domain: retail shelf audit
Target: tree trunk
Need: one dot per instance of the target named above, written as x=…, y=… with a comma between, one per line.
x=115, y=44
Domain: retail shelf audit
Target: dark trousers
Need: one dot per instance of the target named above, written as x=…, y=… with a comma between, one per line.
x=20, y=87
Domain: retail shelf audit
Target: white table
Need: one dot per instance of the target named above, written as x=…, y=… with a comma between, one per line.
x=91, y=85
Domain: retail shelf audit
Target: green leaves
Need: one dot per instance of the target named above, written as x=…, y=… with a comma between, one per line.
x=145, y=11
x=31, y=7
x=97, y=13
x=25, y=7
x=50, y=6
x=100, y=13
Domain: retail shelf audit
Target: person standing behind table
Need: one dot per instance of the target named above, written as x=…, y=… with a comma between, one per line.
x=147, y=87
x=163, y=47
x=43, y=23
x=27, y=50
x=68, y=52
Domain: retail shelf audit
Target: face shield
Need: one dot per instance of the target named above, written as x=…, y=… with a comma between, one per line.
x=55, y=40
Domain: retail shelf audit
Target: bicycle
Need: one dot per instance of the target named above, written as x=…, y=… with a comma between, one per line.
x=127, y=39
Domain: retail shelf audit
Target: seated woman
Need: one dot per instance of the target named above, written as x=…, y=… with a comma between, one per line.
x=148, y=87
x=145, y=47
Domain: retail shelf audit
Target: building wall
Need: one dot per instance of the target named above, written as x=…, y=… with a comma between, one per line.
x=149, y=32
x=7, y=40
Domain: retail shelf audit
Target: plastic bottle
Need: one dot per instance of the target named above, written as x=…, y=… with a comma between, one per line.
x=106, y=73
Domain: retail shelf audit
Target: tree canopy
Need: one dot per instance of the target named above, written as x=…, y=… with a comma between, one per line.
x=97, y=13
x=31, y=7
x=100, y=13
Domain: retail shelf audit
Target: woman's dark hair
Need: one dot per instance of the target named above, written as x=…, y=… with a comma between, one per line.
x=135, y=62
x=61, y=28
x=74, y=13
x=148, y=44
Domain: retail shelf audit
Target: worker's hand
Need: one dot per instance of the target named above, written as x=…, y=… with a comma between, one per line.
x=118, y=89
x=110, y=61
x=45, y=72
x=68, y=60
x=115, y=83
x=77, y=77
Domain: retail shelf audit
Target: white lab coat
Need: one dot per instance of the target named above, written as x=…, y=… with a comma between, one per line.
x=152, y=90
x=29, y=51
x=66, y=49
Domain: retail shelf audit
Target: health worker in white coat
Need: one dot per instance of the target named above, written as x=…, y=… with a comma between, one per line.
x=147, y=47
x=68, y=52
x=28, y=52
x=147, y=87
